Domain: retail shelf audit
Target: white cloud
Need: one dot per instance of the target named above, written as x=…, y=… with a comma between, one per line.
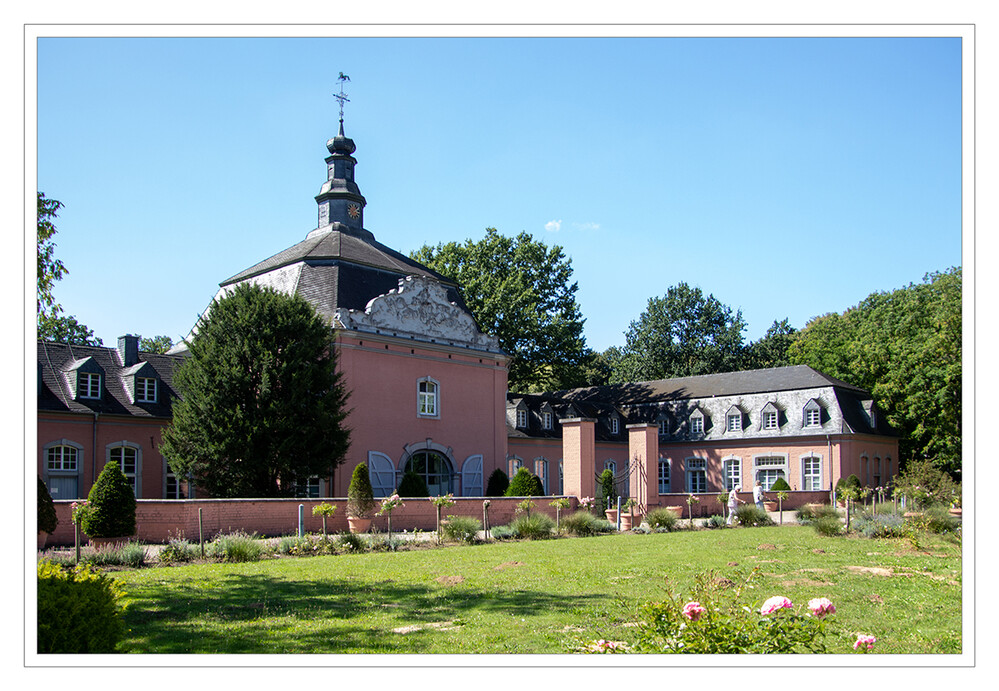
x=553, y=226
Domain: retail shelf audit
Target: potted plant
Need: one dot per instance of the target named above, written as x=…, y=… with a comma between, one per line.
x=110, y=516
x=781, y=487
x=628, y=518
x=360, y=499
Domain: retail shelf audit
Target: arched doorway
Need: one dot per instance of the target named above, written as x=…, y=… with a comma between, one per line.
x=435, y=469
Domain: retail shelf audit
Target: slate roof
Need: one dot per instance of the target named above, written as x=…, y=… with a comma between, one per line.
x=846, y=408
x=55, y=394
x=339, y=267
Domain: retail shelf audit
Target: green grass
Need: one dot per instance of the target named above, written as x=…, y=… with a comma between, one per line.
x=550, y=596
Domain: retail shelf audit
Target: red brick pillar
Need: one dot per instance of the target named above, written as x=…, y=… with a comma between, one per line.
x=643, y=452
x=579, y=457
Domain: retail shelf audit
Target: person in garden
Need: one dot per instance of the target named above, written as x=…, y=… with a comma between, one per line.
x=758, y=496
x=733, y=501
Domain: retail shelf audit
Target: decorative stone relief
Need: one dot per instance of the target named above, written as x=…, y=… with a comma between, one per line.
x=418, y=308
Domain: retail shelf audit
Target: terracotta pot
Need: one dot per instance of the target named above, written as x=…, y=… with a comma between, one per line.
x=43, y=537
x=770, y=505
x=625, y=521
x=100, y=543
x=611, y=515
x=954, y=511
x=358, y=525
x=677, y=510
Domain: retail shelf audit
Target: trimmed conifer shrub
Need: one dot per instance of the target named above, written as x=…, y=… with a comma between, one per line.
x=360, y=495
x=523, y=485
x=780, y=485
x=47, y=519
x=498, y=483
x=412, y=485
x=111, y=504
x=607, y=488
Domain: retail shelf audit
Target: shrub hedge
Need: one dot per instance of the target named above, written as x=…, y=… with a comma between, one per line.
x=79, y=610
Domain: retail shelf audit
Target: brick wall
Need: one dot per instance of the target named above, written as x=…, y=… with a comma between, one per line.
x=157, y=520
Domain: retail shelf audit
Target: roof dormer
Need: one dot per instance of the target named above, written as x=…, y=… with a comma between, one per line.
x=86, y=379
x=813, y=414
x=141, y=383
x=735, y=419
x=547, y=417
x=696, y=423
x=770, y=417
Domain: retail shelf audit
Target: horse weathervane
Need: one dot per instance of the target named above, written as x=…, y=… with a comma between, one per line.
x=341, y=97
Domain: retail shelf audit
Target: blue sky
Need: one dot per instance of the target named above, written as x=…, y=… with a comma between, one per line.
x=789, y=177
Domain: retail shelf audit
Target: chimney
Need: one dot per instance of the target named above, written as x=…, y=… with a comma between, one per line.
x=128, y=350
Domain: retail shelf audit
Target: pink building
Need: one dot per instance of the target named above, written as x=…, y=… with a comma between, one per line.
x=429, y=394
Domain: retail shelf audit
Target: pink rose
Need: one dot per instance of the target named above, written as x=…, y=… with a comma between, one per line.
x=693, y=610
x=821, y=606
x=864, y=640
x=775, y=603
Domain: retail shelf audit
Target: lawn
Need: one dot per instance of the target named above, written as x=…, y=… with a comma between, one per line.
x=551, y=596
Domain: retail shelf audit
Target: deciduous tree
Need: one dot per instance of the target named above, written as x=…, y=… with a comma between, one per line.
x=682, y=334
x=521, y=291
x=52, y=324
x=262, y=405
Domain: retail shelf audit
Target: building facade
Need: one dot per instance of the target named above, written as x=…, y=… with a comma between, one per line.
x=429, y=394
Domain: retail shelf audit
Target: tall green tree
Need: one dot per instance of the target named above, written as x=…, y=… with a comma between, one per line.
x=684, y=333
x=262, y=404
x=156, y=344
x=521, y=291
x=52, y=324
x=903, y=346
x=771, y=350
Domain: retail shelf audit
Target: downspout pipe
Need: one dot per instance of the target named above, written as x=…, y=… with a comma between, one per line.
x=93, y=462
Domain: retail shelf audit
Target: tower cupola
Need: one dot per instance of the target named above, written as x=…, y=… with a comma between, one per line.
x=340, y=200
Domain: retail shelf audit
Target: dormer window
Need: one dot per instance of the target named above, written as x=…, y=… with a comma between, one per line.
x=145, y=390
x=812, y=414
x=697, y=422
x=428, y=398
x=88, y=385
x=733, y=419
x=664, y=428
x=546, y=419
x=522, y=419
x=615, y=426
x=770, y=417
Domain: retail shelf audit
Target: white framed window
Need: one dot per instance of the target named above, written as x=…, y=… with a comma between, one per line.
x=734, y=422
x=664, y=428
x=615, y=425
x=61, y=459
x=770, y=419
x=663, y=475
x=733, y=473
x=546, y=419
x=768, y=468
x=428, y=398
x=697, y=424
x=811, y=473
x=812, y=414
x=145, y=390
x=516, y=463
x=522, y=419
x=128, y=456
x=611, y=465
x=88, y=385
x=697, y=475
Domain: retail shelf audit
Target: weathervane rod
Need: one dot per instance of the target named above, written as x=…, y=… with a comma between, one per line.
x=341, y=97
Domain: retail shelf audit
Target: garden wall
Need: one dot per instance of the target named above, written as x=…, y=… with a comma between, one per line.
x=707, y=504
x=157, y=520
